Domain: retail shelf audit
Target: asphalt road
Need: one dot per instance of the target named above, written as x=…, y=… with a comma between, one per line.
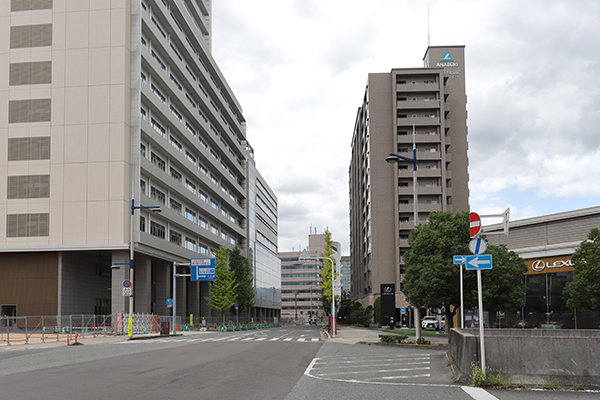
x=287, y=363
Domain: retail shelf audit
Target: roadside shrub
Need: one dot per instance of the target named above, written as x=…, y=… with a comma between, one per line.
x=423, y=341
x=392, y=338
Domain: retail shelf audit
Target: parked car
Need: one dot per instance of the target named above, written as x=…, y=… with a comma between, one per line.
x=431, y=322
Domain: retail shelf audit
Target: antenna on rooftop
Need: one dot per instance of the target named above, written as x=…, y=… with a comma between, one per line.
x=428, y=35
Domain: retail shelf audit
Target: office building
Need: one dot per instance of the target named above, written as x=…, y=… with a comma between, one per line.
x=112, y=107
x=431, y=103
x=301, y=281
x=345, y=273
x=262, y=244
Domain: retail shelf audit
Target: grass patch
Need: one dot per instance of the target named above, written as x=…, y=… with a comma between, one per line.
x=413, y=332
x=392, y=338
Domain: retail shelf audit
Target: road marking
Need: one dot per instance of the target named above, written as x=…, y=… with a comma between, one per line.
x=478, y=393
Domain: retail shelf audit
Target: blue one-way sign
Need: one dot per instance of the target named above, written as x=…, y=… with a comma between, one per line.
x=460, y=259
x=483, y=261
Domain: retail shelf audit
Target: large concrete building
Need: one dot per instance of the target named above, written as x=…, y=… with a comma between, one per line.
x=301, y=281
x=546, y=243
x=431, y=102
x=110, y=106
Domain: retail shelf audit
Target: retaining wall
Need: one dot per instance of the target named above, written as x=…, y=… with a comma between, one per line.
x=530, y=356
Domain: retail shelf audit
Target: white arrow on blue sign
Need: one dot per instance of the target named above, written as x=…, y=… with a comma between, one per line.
x=460, y=259
x=479, y=262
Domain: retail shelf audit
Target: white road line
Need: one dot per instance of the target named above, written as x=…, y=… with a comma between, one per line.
x=287, y=339
x=378, y=371
x=478, y=393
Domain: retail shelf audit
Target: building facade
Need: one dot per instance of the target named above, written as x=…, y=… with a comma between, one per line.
x=262, y=244
x=425, y=106
x=112, y=107
x=546, y=244
x=301, y=281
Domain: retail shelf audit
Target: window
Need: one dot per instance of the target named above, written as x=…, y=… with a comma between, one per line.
x=28, y=187
x=30, y=73
x=190, y=157
x=214, y=229
x=189, y=214
x=176, y=112
x=143, y=187
x=143, y=114
x=34, y=148
x=203, y=249
x=190, y=244
x=214, y=204
x=158, y=127
x=191, y=187
x=158, y=93
x=203, y=223
x=157, y=230
x=159, y=162
x=27, y=225
x=175, y=205
x=175, y=237
x=157, y=195
x=176, y=144
x=175, y=174
x=142, y=224
x=33, y=110
x=24, y=36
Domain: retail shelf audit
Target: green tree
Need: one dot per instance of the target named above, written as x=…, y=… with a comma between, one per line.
x=242, y=275
x=326, y=286
x=223, y=288
x=377, y=310
x=433, y=281
x=583, y=293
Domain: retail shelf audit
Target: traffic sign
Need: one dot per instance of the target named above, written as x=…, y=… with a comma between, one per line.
x=169, y=302
x=479, y=262
x=202, y=269
x=127, y=291
x=126, y=283
x=460, y=259
x=474, y=224
x=478, y=246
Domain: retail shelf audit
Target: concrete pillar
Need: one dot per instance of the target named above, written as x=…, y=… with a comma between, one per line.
x=143, y=284
x=164, y=274
x=193, y=299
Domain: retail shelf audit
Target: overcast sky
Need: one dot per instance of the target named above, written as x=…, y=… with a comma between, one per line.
x=299, y=69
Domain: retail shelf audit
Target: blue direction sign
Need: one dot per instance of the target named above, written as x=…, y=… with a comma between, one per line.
x=460, y=259
x=478, y=246
x=482, y=261
x=202, y=269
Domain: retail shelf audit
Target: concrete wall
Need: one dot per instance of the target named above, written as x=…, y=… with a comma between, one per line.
x=530, y=356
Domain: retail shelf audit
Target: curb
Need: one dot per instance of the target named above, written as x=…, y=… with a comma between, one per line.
x=413, y=345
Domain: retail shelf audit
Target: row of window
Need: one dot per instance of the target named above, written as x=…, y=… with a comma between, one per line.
x=166, y=67
x=160, y=231
x=159, y=196
x=192, y=186
x=300, y=275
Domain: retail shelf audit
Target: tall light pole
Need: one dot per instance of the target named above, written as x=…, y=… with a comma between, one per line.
x=393, y=159
x=131, y=262
x=304, y=257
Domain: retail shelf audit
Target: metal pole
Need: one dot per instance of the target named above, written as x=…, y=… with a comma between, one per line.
x=416, y=218
x=462, y=308
x=131, y=262
x=481, y=344
x=174, y=297
x=333, y=320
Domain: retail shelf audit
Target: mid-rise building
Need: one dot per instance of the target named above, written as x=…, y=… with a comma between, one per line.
x=111, y=108
x=425, y=106
x=345, y=273
x=262, y=244
x=301, y=281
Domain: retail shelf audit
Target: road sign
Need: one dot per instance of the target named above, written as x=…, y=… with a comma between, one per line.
x=169, y=302
x=126, y=283
x=402, y=309
x=127, y=291
x=478, y=246
x=479, y=262
x=460, y=259
x=202, y=269
x=474, y=224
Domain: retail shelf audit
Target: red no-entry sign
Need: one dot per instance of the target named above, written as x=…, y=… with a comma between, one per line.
x=474, y=223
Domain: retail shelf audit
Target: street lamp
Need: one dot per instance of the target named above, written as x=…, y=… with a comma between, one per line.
x=304, y=257
x=133, y=208
x=393, y=159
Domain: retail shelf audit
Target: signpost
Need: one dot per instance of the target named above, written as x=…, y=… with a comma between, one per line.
x=127, y=288
x=478, y=246
x=479, y=262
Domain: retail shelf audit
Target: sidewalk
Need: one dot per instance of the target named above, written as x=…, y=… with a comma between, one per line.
x=353, y=335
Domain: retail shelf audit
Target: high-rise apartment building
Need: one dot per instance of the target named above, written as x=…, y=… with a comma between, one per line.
x=111, y=107
x=429, y=103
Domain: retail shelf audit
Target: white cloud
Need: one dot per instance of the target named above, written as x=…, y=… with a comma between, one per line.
x=299, y=69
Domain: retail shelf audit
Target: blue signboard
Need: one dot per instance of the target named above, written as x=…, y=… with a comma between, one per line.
x=483, y=261
x=460, y=259
x=202, y=269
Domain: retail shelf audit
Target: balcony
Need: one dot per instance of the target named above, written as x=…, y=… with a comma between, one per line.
x=415, y=87
x=420, y=138
x=421, y=172
x=410, y=104
x=418, y=121
x=428, y=155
